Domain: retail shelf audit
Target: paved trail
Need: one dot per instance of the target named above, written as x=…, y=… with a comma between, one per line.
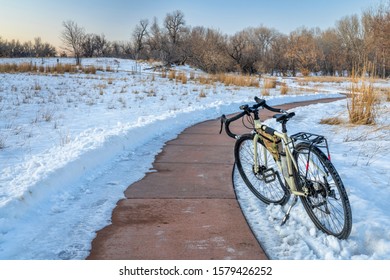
x=186, y=207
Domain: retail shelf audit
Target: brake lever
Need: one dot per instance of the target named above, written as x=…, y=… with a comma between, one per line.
x=223, y=120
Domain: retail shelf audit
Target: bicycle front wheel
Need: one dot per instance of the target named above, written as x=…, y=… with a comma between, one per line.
x=327, y=203
x=266, y=183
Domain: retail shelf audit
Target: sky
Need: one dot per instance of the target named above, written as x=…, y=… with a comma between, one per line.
x=25, y=20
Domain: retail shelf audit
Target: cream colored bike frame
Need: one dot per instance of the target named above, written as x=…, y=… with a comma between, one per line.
x=291, y=163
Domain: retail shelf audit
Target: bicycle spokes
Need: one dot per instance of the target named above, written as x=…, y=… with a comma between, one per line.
x=327, y=202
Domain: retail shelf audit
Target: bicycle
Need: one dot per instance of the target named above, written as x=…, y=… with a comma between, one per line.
x=275, y=166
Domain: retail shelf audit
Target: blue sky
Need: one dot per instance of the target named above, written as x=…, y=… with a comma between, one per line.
x=27, y=19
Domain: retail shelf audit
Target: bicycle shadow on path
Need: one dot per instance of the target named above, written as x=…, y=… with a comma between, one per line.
x=186, y=207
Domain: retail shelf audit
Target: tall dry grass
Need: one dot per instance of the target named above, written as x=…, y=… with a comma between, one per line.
x=283, y=89
x=58, y=68
x=269, y=83
x=236, y=80
x=181, y=77
x=211, y=79
x=363, y=102
x=172, y=75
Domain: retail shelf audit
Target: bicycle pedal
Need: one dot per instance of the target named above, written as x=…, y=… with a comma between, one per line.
x=269, y=175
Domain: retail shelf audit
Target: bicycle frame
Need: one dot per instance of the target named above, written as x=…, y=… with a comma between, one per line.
x=290, y=161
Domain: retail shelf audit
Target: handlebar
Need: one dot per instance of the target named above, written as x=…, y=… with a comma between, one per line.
x=227, y=122
x=262, y=103
x=247, y=110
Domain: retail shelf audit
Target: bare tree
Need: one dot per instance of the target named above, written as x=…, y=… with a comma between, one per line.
x=263, y=38
x=208, y=50
x=236, y=47
x=102, y=45
x=73, y=37
x=352, y=37
x=278, y=60
x=174, y=23
x=139, y=36
x=303, y=51
x=27, y=49
x=333, y=53
x=88, y=45
x=376, y=23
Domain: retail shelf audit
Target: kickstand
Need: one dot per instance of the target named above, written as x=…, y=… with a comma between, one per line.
x=285, y=218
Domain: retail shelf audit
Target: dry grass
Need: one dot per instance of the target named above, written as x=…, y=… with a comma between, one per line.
x=202, y=94
x=53, y=69
x=211, y=79
x=181, y=77
x=385, y=93
x=283, y=89
x=9, y=68
x=265, y=92
x=172, y=75
x=363, y=103
x=204, y=80
x=89, y=69
x=331, y=121
x=269, y=83
x=236, y=80
x=322, y=79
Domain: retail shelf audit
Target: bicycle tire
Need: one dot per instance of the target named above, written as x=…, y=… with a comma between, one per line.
x=327, y=203
x=273, y=191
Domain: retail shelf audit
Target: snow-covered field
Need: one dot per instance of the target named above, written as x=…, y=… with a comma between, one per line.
x=71, y=144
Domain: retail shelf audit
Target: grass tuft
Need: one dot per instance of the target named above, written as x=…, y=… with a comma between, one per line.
x=331, y=121
x=363, y=103
x=269, y=83
x=283, y=89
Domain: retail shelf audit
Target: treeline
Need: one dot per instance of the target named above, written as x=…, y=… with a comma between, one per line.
x=15, y=48
x=353, y=42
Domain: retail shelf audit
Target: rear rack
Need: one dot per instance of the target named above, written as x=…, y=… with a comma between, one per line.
x=316, y=140
x=309, y=138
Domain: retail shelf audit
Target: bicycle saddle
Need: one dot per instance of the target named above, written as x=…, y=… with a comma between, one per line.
x=283, y=117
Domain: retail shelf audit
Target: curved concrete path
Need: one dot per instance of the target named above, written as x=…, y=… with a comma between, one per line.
x=185, y=208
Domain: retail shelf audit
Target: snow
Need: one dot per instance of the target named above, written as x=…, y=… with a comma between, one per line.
x=70, y=144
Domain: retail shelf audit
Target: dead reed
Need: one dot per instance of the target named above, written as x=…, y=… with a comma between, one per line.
x=363, y=102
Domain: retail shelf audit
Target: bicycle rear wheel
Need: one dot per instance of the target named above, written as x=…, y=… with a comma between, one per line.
x=327, y=203
x=267, y=184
